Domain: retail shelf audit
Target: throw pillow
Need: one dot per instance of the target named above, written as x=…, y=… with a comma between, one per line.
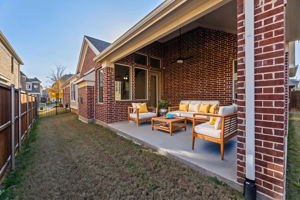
x=204, y=108
x=183, y=107
x=212, y=109
x=142, y=107
x=193, y=107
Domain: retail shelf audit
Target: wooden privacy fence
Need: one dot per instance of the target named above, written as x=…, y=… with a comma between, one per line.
x=295, y=100
x=18, y=111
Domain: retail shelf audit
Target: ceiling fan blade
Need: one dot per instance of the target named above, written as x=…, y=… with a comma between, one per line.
x=188, y=58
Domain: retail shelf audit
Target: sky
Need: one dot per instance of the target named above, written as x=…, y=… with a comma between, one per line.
x=46, y=33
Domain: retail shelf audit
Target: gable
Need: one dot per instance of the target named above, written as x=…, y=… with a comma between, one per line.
x=88, y=62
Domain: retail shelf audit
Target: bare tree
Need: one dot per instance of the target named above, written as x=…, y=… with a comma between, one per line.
x=55, y=79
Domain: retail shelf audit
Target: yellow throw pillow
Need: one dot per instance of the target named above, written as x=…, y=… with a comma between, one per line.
x=183, y=107
x=213, y=109
x=213, y=121
x=142, y=107
x=204, y=108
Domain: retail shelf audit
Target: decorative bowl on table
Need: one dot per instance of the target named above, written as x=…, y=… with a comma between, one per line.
x=170, y=116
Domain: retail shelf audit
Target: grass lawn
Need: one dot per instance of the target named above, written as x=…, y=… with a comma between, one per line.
x=73, y=160
x=293, y=165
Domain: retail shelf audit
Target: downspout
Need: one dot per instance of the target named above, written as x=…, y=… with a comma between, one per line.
x=249, y=184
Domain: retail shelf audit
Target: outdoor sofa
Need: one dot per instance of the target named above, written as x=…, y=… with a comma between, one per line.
x=189, y=114
x=137, y=115
x=221, y=127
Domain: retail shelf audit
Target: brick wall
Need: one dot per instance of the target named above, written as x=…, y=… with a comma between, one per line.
x=270, y=96
x=86, y=108
x=206, y=76
x=88, y=62
x=66, y=96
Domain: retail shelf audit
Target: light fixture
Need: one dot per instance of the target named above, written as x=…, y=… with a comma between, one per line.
x=125, y=78
x=179, y=61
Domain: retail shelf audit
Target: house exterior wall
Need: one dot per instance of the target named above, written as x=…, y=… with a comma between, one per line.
x=66, y=96
x=271, y=97
x=5, y=68
x=206, y=76
x=86, y=104
x=88, y=62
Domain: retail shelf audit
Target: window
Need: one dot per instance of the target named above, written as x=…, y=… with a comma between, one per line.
x=140, y=78
x=12, y=64
x=28, y=86
x=122, y=82
x=140, y=59
x=234, y=80
x=154, y=62
x=73, y=91
x=100, y=86
x=35, y=86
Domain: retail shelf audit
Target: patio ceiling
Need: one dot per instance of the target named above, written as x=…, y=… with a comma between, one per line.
x=165, y=19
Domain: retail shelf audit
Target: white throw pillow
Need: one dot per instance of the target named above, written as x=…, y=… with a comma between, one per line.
x=193, y=107
x=224, y=110
x=134, y=106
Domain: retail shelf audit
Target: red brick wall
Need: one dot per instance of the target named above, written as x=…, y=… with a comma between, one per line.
x=270, y=96
x=88, y=62
x=86, y=108
x=66, y=96
x=206, y=76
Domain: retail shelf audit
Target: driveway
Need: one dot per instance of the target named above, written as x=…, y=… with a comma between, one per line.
x=73, y=160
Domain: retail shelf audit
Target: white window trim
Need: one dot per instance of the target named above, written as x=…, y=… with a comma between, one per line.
x=147, y=58
x=130, y=82
x=147, y=83
x=98, y=74
x=233, y=85
x=157, y=59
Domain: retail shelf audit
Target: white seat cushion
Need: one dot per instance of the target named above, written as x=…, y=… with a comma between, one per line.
x=187, y=114
x=176, y=113
x=209, y=130
x=143, y=115
x=203, y=116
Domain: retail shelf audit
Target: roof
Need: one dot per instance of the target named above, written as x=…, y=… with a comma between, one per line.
x=22, y=74
x=293, y=82
x=66, y=77
x=100, y=45
x=10, y=48
x=33, y=80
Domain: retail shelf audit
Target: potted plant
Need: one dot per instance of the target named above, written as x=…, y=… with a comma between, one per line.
x=163, y=107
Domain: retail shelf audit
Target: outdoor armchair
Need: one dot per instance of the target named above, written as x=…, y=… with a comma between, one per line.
x=135, y=115
x=223, y=130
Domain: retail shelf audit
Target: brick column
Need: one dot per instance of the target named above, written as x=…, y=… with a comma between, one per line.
x=271, y=96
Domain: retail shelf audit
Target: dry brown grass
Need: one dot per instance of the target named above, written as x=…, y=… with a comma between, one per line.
x=73, y=160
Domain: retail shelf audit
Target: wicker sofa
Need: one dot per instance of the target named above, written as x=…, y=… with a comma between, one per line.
x=189, y=114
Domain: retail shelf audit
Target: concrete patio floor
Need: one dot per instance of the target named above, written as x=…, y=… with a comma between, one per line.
x=206, y=155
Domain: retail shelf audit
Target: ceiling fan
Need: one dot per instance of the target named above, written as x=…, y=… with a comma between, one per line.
x=181, y=59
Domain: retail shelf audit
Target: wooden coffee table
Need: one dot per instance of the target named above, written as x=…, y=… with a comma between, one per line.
x=168, y=125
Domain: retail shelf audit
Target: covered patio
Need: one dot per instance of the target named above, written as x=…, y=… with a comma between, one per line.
x=194, y=61
x=205, y=157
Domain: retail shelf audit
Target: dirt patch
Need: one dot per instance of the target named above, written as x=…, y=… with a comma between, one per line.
x=73, y=160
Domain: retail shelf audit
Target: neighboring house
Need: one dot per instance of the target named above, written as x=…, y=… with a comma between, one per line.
x=81, y=87
x=31, y=86
x=204, y=50
x=9, y=63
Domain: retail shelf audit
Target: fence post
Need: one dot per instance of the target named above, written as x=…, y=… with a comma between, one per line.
x=20, y=119
x=27, y=114
x=12, y=90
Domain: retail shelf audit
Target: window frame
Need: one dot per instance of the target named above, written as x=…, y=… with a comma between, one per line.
x=130, y=82
x=147, y=84
x=160, y=62
x=100, y=71
x=142, y=54
x=73, y=92
x=234, y=87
